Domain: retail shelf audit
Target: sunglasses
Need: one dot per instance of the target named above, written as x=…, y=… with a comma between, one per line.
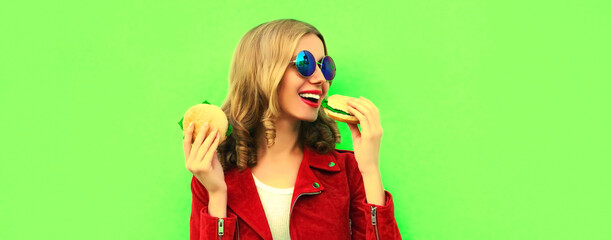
x=306, y=65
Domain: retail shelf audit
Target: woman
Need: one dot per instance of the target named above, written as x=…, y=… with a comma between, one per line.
x=278, y=175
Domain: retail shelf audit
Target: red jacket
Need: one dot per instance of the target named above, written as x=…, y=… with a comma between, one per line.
x=328, y=203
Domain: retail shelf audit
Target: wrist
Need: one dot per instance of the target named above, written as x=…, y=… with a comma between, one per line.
x=372, y=169
x=374, y=190
x=217, y=204
x=220, y=190
x=219, y=194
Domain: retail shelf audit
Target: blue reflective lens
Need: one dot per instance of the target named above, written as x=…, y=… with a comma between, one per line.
x=328, y=68
x=305, y=63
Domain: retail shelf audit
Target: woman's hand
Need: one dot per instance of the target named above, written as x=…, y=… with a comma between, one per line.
x=367, y=141
x=367, y=147
x=202, y=160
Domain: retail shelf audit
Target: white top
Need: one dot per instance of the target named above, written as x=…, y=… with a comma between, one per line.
x=277, y=206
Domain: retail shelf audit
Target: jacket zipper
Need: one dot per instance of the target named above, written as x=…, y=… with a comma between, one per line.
x=350, y=222
x=292, y=206
x=221, y=230
x=374, y=220
x=237, y=223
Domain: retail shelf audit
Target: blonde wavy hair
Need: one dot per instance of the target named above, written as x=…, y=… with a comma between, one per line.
x=258, y=64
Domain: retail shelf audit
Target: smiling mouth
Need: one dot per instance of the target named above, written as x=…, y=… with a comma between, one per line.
x=310, y=97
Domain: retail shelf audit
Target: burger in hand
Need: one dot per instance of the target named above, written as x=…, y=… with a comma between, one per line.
x=336, y=106
x=206, y=113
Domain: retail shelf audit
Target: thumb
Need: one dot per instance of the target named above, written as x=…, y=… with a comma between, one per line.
x=354, y=129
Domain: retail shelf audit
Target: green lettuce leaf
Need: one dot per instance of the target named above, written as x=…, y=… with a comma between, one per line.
x=325, y=105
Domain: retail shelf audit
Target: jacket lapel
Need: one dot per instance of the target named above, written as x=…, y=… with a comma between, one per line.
x=244, y=200
x=307, y=183
x=324, y=162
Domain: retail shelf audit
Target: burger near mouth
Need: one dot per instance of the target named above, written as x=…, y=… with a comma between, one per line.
x=326, y=105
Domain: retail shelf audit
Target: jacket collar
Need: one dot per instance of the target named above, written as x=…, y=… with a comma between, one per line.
x=244, y=200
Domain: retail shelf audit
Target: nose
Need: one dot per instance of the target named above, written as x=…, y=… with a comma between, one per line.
x=317, y=77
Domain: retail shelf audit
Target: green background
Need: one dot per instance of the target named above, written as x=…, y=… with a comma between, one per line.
x=495, y=114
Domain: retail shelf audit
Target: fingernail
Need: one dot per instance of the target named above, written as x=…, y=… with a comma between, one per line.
x=191, y=125
x=206, y=124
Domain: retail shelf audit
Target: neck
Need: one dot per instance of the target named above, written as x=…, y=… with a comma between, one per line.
x=285, y=144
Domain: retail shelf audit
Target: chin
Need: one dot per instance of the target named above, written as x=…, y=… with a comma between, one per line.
x=310, y=119
x=306, y=118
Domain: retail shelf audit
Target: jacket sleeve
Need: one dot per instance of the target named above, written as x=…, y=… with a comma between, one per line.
x=202, y=224
x=369, y=221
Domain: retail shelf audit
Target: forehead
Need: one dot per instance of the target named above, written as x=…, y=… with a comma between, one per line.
x=312, y=43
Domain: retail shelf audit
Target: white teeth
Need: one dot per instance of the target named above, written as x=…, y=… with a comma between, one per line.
x=310, y=95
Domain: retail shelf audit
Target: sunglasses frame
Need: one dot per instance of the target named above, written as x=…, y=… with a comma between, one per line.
x=319, y=64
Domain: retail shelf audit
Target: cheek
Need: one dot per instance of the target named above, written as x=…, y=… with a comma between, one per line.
x=292, y=81
x=290, y=73
x=289, y=87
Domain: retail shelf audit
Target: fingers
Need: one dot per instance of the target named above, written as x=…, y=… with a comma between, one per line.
x=356, y=108
x=204, y=149
x=375, y=118
x=368, y=115
x=186, y=143
x=209, y=157
x=354, y=129
x=198, y=142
